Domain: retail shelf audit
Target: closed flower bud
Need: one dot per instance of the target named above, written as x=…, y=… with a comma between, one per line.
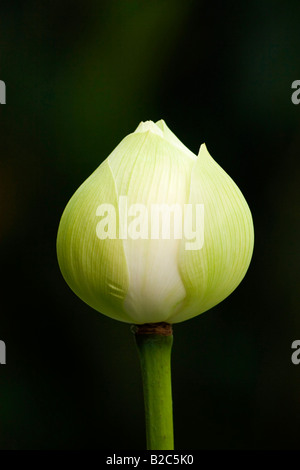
x=156, y=233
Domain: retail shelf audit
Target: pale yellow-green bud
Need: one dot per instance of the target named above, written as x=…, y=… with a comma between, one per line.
x=156, y=233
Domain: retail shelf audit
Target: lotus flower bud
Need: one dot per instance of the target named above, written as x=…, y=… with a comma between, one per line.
x=156, y=233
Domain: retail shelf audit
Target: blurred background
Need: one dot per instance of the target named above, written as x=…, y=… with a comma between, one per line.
x=79, y=77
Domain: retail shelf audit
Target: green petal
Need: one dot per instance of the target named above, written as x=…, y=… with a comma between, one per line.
x=95, y=269
x=213, y=272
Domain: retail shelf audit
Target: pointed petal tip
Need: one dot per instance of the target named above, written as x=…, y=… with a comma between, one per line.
x=203, y=148
x=148, y=126
x=161, y=124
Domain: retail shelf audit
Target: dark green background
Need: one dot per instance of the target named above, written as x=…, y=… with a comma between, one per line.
x=80, y=76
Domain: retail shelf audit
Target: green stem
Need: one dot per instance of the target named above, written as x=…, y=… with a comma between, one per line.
x=154, y=342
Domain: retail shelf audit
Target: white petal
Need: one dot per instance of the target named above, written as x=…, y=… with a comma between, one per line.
x=149, y=170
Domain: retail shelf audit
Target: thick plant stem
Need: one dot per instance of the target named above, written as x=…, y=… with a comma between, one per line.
x=154, y=342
